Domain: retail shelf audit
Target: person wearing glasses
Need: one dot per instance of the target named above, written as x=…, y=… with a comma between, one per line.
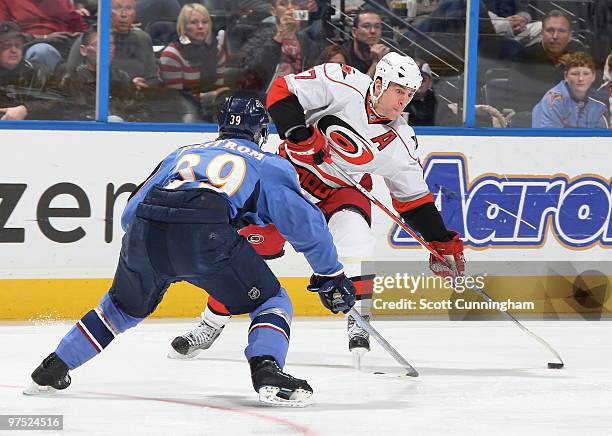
x=366, y=49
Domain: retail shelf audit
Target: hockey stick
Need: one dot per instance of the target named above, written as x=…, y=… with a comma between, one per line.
x=365, y=325
x=480, y=292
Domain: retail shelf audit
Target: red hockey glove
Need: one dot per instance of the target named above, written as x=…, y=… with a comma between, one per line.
x=313, y=150
x=452, y=251
x=265, y=240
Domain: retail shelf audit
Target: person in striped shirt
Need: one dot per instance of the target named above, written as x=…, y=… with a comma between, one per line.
x=195, y=62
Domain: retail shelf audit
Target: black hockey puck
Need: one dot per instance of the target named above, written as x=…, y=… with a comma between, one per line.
x=555, y=365
x=379, y=373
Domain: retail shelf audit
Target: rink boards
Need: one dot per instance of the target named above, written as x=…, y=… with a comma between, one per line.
x=534, y=200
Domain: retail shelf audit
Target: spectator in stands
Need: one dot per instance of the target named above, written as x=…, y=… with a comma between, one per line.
x=148, y=11
x=133, y=47
x=541, y=66
x=606, y=87
x=511, y=18
x=423, y=106
x=333, y=54
x=279, y=48
x=80, y=84
x=51, y=25
x=20, y=81
x=571, y=103
x=195, y=61
x=365, y=49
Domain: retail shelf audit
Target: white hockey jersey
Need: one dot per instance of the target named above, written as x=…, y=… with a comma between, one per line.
x=335, y=98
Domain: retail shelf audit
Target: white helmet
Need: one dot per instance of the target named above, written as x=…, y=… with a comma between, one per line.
x=393, y=67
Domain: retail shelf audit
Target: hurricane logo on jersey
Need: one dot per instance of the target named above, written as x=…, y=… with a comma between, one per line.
x=345, y=140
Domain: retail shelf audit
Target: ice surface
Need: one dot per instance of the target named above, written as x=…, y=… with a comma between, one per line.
x=476, y=378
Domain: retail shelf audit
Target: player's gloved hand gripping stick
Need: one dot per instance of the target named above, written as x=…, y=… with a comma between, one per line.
x=438, y=260
x=338, y=295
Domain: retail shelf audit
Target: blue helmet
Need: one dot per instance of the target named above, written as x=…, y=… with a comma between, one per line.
x=243, y=117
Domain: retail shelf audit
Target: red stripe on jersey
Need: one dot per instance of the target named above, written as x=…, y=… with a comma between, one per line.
x=337, y=81
x=216, y=307
x=269, y=326
x=405, y=206
x=278, y=91
x=88, y=336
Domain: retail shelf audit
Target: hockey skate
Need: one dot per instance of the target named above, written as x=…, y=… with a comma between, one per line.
x=359, y=340
x=191, y=343
x=277, y=388
x=50, y=376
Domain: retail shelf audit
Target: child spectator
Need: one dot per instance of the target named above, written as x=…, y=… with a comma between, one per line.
x=570, y=103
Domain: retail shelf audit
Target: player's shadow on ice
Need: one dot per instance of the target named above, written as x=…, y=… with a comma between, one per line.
x=395, y=372
x=317, y=406
x=489, y=372
x=290, y=364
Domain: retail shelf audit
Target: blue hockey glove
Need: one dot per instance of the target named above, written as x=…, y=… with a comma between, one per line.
x=336, y=293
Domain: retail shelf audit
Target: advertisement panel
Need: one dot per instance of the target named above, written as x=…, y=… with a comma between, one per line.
x=62, y=193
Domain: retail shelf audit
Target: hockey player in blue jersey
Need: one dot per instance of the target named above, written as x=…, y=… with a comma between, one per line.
x=181, y=225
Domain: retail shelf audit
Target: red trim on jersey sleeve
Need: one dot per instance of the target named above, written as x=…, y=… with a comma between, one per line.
x=405, y=206
x=278, y=91
x=338, y=81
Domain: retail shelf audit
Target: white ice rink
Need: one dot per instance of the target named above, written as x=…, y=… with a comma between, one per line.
x=477, y=378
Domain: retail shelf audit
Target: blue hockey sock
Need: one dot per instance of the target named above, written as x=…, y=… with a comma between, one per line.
x=93, y=332
x=270, y=328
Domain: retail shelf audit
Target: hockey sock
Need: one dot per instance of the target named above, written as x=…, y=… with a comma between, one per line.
x=364, y=286
x=93, y=332
x=270, y=329
x=213, y=319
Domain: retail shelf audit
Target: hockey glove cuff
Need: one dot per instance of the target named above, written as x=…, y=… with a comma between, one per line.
x=452, y=250
x=312, y=150
x=336, y=293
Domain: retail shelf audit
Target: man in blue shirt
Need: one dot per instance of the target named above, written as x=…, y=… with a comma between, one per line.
x=571, y=103
x=181, y=225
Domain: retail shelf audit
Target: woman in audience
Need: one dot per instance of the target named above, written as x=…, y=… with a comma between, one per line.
x=195, y=62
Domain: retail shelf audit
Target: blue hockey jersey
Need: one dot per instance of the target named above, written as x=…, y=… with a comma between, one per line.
x=261, y=188
x=558, y=109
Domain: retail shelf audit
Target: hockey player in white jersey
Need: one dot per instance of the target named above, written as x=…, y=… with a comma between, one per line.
x=333, y=112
